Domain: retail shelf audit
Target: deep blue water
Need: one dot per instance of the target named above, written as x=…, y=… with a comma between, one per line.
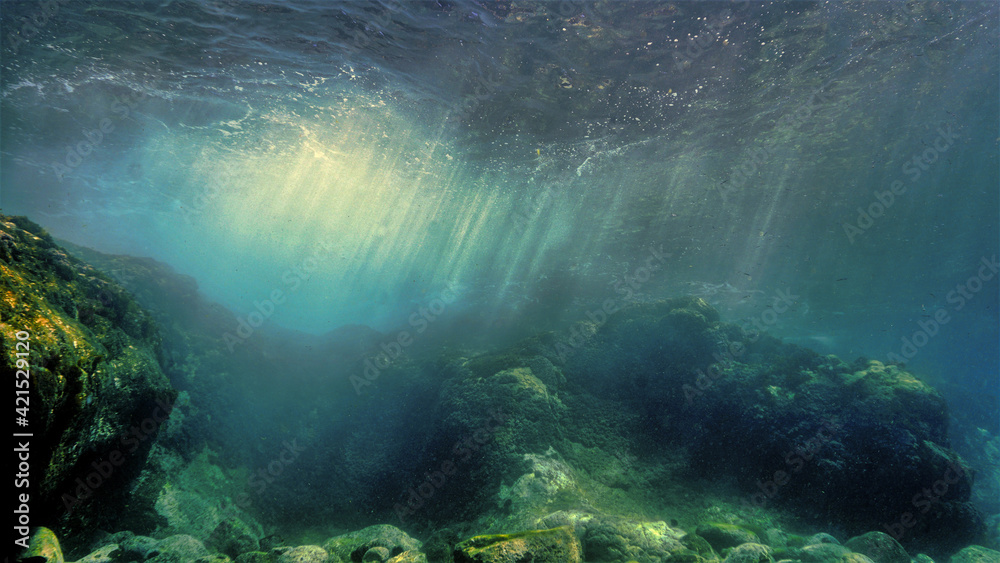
x=828, y=170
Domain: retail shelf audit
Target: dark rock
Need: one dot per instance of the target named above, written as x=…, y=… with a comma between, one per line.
x=233, y=537
x=880, y=547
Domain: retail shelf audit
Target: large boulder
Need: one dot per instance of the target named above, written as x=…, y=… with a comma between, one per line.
x=873, y=433
x=98, y=396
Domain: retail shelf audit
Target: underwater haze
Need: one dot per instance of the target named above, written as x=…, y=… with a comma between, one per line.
x=363, y=157
x=489, y=170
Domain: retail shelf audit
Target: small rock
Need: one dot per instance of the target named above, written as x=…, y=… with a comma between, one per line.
x=410, y=556
x=750, y=553
x=303, y=554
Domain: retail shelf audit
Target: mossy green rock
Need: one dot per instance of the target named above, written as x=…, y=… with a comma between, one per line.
x=699, y=545
x=619, y=539
x=976, y=554
x=880, y=547
x=353, y=546
x=95, y=373
x=557, y=545
x=301, y=554
x=721, y=535
x=409, y=557
x=254, y=557
x=44, y=543
x=750, y=553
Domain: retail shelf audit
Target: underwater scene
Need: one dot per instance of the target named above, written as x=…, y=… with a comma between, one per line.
x=501, y=281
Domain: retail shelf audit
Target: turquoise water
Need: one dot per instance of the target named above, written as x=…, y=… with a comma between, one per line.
x=827, y=171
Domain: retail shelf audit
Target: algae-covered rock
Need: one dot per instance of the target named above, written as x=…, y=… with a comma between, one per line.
x=750, y=553
x=556, y=545
x=548, y=481
x=976, y=554
x=699, y=545
x=721, y=535
x=301, y=554
x=855, y=558
x=353, y=546
x=618, y=539
x=44, y=544
x=98, y=394
x=880, y=547
x=823, y=552
x=255, y=557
